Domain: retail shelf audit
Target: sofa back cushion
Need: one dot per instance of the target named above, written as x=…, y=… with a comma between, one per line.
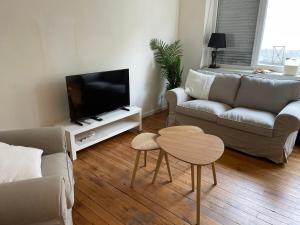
x=266, y=94
x=224, y=88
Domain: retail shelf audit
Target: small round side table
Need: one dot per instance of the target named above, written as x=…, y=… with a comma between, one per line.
x=145, y=142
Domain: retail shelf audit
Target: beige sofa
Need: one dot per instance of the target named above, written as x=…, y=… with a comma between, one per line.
x=46, y=200
x=257, y=116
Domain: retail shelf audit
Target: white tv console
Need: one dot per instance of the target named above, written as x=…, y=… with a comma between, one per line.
x=113, y=123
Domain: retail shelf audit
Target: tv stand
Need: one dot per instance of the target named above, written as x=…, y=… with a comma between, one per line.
x=94, y=131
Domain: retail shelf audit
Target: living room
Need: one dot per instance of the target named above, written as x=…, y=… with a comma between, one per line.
x=149, y=112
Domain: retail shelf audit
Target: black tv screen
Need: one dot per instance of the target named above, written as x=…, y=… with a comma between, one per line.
x=94, y=93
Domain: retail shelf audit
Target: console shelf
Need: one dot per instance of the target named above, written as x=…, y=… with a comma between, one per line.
x=93, y=132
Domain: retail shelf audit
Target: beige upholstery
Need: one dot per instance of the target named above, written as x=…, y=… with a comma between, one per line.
x=224, y=88
x=145, y=141
x=59, y=164
x=47, y=200
x=175, y=97
x=203, y=109
x=35, y=201
x=265, y=122
x=266, y=94
x=250, y=120
x=49, y=139
x=275, y=149
x=287, y=121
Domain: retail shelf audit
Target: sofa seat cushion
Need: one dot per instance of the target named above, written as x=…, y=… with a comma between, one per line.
x=59, y=164
x=249, y=120
x=203, y=109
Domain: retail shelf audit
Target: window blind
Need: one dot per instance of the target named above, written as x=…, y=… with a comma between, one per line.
x=237, y=19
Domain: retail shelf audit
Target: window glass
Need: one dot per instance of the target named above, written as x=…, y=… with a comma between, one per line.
x=281, y=34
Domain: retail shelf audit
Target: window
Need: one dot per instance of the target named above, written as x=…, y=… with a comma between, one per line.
x=259, y=32
x=237, y=19
x=281, y=34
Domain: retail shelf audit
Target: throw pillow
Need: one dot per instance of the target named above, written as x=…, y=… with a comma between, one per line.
x=19, y=163
x=198, y=84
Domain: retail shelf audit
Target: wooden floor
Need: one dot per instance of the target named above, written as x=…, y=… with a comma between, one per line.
x=250, y=190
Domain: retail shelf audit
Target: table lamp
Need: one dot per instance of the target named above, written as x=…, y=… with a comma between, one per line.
x=217, y=40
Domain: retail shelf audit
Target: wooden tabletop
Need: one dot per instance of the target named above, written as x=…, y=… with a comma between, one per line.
x=195, y=148
x=145, y=142
x=180, y=129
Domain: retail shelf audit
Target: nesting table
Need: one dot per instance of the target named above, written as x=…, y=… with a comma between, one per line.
x=143, y=143
x=191, y=145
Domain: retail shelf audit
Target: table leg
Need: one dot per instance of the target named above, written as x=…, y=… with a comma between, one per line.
x=193, y=177
x=168, y=166
x=160, y=157
x=214, y=173
x=135, y=167
x=198, y=192
x=145, y=158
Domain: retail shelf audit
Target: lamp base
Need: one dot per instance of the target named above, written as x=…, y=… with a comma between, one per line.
x=213, y=66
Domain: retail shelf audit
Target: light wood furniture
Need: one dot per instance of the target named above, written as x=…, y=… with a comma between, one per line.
x=93, y=132
x=198, y=149
x=143, y=143
x=103, y=197
x=180, y=129
x=185, y=129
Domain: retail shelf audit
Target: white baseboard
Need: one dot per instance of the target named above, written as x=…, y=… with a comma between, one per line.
x=153, y=111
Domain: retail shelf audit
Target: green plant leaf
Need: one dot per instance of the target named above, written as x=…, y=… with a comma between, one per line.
x=168, y=56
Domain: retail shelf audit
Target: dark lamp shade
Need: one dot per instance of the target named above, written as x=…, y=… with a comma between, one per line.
x=217, y=40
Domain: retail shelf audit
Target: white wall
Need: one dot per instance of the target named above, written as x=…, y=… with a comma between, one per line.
x=43, y=41
x=191, y=28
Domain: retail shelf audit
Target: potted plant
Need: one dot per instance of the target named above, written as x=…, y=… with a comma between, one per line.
x=168, y=56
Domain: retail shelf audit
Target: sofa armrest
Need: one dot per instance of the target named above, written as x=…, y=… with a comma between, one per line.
x=175, y=97
x=34, y=201
x=288, y=120
x=49, y=139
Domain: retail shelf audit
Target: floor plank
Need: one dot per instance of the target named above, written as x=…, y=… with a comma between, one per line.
x=249, y=191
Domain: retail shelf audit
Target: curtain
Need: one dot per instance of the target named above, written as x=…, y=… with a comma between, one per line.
x=210, y=19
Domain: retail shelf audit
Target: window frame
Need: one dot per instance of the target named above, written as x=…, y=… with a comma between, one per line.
x=260, y=26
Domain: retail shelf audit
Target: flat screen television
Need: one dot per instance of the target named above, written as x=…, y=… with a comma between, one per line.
x=95, y=93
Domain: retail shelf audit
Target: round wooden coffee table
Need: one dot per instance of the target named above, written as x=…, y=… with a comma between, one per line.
x=196, y=148
x=180, y=129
